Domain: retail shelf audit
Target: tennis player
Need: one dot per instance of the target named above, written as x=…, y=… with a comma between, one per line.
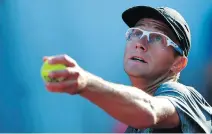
x=157, y=46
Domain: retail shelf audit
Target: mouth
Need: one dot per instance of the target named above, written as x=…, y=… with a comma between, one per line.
x=139, y=59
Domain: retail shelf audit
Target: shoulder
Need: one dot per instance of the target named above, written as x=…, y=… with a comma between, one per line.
x=176, y=89
x=173, y=88
x=193, y=110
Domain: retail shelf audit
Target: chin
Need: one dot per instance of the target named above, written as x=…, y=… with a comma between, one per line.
x=136, y=72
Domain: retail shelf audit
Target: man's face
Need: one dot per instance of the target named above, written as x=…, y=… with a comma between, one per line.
x=158, y=60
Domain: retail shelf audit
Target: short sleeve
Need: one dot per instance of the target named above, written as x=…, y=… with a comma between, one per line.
x=193, y=117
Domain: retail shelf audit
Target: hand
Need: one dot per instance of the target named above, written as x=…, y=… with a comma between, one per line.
x=75, y=77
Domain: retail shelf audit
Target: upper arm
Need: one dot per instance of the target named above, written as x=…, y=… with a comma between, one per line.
x=165, y=113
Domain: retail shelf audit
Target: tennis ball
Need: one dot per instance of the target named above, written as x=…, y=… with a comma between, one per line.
x=47, y=68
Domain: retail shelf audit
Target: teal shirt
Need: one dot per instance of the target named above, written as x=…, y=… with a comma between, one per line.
x=194, y=112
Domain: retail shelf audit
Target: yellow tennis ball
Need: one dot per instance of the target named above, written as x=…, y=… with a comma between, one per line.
x=47, y=68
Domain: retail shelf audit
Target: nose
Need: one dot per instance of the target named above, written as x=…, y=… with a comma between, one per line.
x=142, y=44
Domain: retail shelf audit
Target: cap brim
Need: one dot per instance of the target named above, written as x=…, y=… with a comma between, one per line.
x=132, y=15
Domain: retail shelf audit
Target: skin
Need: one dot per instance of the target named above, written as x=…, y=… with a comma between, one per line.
x=132, y=101
x=160, y=62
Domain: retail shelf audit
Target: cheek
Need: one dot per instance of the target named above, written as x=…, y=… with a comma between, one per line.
x=127, y=51
x=162, y=59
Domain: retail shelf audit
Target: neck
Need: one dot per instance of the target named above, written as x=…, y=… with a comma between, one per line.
x=150, y=86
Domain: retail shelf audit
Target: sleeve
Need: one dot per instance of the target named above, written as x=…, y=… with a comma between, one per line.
x=188, y=112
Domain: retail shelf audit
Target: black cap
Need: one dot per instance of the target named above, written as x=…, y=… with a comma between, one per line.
x=165, y=14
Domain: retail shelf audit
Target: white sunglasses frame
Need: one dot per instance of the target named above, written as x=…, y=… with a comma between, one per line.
x=169, y=41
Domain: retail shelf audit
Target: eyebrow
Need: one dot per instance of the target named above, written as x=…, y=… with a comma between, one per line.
x=162, y=29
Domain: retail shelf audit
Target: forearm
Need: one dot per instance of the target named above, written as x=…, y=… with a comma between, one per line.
x=128, y=104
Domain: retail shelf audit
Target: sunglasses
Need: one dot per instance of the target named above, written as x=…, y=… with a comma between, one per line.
x=153, y=38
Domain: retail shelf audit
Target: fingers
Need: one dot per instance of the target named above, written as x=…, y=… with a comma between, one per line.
x=68, y=73
x=60, y=59
x=64, y=86
x=45, y=58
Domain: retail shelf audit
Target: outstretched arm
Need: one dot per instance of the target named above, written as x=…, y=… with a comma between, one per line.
x=127, y=104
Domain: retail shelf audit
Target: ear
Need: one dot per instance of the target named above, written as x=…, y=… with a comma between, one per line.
x=179, y=64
